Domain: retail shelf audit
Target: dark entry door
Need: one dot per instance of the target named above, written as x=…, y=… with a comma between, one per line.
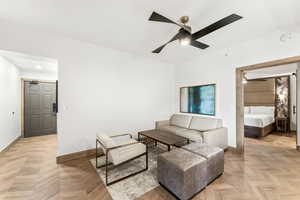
x=40, y=108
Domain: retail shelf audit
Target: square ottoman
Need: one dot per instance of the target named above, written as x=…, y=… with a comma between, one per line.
x=214, y=156
x=181, y=172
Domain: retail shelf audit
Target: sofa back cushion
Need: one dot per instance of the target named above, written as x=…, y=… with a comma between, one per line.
x=205, y=123
x=180, y=120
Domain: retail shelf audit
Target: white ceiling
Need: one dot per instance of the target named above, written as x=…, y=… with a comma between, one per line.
x=124, y=25
x=272, y=71
x=31, y=64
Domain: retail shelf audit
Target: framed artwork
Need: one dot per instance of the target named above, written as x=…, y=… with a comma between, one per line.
x=199, y=99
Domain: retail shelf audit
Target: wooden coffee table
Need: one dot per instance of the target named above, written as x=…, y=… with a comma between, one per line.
x=165, y=138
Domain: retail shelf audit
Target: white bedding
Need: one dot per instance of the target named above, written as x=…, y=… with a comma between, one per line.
x=258, y=120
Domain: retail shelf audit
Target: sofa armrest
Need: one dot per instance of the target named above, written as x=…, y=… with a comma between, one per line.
x=217, y=137
x=161, y=123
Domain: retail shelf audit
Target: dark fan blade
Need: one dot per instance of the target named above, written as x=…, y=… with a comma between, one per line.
x=215, y=26
x=158, y=50
x=159, y=18
x=199, y=45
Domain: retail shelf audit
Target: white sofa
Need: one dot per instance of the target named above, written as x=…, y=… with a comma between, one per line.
x=198, y=129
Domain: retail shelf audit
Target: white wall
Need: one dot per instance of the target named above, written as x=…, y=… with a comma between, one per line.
x=218, y=68
x=99, y=88
x=9, y=102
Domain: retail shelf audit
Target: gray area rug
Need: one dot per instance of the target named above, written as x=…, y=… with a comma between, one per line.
x=133, y=187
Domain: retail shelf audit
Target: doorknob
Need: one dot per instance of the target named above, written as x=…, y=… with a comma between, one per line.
x=54, y=108
x=294, y=109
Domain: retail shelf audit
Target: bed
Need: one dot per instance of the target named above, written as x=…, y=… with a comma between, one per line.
x=259, y=121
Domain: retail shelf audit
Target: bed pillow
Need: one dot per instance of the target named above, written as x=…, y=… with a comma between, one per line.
x=247, y=110
x=268, y=110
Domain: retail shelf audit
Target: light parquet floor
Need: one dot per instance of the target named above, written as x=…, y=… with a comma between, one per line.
x=269, y=170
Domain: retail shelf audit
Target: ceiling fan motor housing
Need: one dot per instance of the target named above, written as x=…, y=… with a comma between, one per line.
x=184, y=33
x=187, y=29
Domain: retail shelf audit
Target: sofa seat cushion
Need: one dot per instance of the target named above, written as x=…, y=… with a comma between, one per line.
x=193, y=135
x=205, y=123
x=182, y=121
x=172, y=129
x=122, y=154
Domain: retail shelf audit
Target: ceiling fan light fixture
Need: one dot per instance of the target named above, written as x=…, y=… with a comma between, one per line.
x=185, y=41
x=185, y=38
x=38, y=67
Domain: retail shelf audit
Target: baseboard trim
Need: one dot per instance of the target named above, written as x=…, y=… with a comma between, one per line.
x=233, y=150
x=230, y=149
x=75, y=156
x=10, y=144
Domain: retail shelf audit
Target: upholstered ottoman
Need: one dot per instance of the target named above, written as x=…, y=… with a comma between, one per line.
x=182, y=172
x=214, y=156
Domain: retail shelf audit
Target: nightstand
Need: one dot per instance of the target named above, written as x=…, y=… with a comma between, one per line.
x=282, y=124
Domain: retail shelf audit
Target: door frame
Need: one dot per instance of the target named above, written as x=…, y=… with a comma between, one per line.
x=239, y=72
x=23, y=80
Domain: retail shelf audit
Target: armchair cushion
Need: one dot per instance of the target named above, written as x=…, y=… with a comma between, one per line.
x=122, y=154
x=107, y=141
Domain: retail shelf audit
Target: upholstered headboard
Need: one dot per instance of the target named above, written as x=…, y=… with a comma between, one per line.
x=260, y=92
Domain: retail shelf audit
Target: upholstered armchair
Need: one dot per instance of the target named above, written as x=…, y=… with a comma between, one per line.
x=118, y=152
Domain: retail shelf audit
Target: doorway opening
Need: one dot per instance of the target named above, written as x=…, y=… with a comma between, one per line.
x=40, y=107
x=270, y=105
x=37, y=93
x=278, y=104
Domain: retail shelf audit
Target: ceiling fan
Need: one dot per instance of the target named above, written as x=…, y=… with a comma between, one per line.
x=185, y=35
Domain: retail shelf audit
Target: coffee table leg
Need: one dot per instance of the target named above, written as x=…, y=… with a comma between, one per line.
x=139, y=137
x=155, y=143
x=168, y=147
